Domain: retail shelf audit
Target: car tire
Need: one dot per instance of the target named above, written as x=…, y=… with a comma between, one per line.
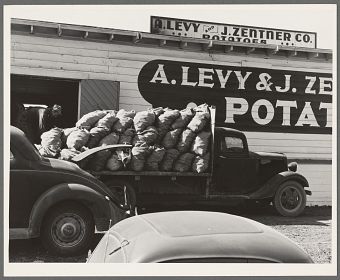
x=290, y=199
x=68, y=229
x=117, y=189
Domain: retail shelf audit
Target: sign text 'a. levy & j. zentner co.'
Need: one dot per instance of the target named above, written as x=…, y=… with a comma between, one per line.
x=231, y=32
x=247, y=98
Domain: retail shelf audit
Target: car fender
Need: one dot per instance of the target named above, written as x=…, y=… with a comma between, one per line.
x=269, y=188
x=100, y=206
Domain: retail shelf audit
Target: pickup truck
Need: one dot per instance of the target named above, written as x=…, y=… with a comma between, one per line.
x=235, y=175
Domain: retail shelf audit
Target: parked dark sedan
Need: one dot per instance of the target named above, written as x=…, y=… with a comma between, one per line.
x=195, y=236
x=56, y=200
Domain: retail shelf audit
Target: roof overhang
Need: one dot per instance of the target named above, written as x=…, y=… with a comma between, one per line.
x=109, y=35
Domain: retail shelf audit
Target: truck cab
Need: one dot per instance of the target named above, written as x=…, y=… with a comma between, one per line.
x=258, y=176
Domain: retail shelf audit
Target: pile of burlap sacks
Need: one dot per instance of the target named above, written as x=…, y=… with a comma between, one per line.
x=162, y=140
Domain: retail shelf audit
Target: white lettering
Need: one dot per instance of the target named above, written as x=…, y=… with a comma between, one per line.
x=223, y=79
x=185, y=81
x=264, y=83
x=204, y=74
x=255, y=112
x=310, y=85
x=287, y=85
x=325, y=83
x=160, y=75
x=307, y=117
x=241, y=79
x=232, y=110
x=286, y=105
x=328, y=107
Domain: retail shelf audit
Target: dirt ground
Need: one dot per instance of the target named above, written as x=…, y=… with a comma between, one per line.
x=311, y=231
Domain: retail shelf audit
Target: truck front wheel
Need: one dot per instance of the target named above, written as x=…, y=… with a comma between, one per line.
x=290, y=199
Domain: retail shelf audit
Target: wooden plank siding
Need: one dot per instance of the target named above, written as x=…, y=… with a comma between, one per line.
x=55, y=57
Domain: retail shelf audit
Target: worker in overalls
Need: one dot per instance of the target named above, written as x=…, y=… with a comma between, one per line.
x=34, y=121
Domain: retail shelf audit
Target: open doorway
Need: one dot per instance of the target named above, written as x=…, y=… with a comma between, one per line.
x=43, y=91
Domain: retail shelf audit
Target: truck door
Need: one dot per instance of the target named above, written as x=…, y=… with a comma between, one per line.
x=235, y=172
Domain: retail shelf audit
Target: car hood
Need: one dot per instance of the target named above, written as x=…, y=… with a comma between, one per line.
x=270, y=155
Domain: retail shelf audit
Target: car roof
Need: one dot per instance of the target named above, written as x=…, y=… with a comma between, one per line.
x=164, y=236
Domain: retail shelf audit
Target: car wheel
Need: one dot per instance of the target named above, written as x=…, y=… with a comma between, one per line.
x=290, y=199
x=124, y=192
x=68, y=229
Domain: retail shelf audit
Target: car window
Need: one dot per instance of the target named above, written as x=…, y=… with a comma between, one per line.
x=231, y=144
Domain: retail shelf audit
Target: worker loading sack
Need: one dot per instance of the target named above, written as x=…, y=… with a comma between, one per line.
x=163, y=139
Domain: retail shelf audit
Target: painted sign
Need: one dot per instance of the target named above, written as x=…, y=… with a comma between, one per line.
x=230, y=32
x=246, y=98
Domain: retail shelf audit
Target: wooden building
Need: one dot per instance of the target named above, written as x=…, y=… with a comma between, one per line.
x=280, y=96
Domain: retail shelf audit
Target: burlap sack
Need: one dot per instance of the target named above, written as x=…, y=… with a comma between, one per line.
x=139, y=154
x=89, y=120
x=155, y=158
x=127, y=136
x=201, y=143
x=171, y=138
x=143, y=119
x=122, y=124
x=96, y=134
x=77, y=139
x=198, y=122
x=51, y=140
x=99, y=159
x=68, y=154
x=110, y=139
x=201, y=164
x=185, y=117
x=65, y=134
x=185, y=140
x=122, y=113
x=167, y=118
x=200, y=119
x=184, y=162
x=158, y=111
x=114, y=163
x=46, y=152
x=148, y=136
x=107, y=121
x=168, y=160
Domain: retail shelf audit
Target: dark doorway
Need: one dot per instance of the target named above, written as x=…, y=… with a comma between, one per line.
x=47, y=91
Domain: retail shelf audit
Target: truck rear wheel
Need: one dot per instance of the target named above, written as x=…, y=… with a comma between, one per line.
x=124, y=192
x=290, y=199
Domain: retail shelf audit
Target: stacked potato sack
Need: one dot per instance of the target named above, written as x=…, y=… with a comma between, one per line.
x=162, y=139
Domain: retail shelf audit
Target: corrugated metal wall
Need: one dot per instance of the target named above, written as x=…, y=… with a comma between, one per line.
x=55, y=57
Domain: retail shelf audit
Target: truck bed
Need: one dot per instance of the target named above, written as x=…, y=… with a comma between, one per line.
x=149, y=173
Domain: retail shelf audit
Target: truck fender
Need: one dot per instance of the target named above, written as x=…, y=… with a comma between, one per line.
x=98, y=204
x=269, y=189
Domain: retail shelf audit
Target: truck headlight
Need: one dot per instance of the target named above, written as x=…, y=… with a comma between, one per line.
x=292, y=166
